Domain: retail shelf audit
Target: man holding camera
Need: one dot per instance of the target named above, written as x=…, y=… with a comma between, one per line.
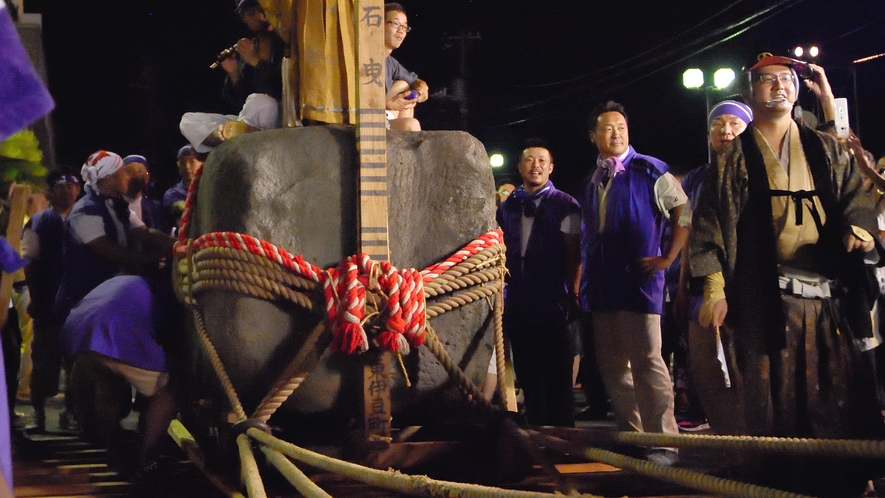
x=780, y=237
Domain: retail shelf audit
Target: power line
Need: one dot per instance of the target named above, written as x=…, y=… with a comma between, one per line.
x=635, y=57
x=768, y=13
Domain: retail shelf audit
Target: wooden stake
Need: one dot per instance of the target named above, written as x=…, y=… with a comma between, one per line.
x=371, y=140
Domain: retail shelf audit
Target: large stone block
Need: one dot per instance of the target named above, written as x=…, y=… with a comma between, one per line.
x=297, y=189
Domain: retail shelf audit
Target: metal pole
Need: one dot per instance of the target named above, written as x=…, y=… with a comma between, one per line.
x=708, y=102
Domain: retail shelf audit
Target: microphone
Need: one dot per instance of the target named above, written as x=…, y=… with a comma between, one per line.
x=226, y=53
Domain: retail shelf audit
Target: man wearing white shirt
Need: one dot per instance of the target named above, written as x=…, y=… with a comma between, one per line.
x=627, y=203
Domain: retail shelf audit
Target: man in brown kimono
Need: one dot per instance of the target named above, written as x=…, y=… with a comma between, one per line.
x=780, y=237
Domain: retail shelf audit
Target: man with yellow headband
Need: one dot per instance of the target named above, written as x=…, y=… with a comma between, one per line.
x=780, y=237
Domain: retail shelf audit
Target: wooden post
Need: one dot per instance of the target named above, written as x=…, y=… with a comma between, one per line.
x=18, y=203
x=371, y=132
x=371, y=140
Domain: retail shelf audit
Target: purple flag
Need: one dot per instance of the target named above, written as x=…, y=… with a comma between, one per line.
x=23, y=97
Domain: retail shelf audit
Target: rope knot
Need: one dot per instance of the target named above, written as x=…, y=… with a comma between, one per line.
x=401, y=312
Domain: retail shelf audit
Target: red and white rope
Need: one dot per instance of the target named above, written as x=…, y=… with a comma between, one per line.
x=345, y=287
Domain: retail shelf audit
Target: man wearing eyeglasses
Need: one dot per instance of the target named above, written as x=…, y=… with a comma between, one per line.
x=404, y=89
x=780, y=237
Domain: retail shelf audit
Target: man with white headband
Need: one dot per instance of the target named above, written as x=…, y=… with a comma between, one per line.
x=110, y=314
x=780, y=238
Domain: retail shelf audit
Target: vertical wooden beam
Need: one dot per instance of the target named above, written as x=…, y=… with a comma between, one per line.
x=371, y=132
x=18, y=203
x=371, y=140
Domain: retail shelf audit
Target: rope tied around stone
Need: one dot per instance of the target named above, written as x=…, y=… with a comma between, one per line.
x=242, y=263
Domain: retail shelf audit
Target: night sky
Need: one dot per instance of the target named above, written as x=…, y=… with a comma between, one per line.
x=123, y=71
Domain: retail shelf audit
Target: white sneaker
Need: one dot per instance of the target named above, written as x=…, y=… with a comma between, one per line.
x=663, y=456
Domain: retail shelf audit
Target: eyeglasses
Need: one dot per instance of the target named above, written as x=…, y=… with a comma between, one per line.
x=398, y=26
x=770, y=78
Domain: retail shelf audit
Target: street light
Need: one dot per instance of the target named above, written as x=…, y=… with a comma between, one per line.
x=693, y=78
x=723, y=77
x=813, y=52
x=496, y=160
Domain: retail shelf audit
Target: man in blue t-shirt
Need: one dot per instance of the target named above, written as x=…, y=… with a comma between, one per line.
x=401, y=84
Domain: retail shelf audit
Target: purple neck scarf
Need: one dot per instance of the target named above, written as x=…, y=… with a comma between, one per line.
x=607, y=169
x=528, y=201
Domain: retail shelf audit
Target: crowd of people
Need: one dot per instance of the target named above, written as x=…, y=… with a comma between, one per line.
x=101, y=302
x=761, y=267
x=762, y=263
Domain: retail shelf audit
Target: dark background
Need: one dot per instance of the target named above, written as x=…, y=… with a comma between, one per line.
x=123, y=71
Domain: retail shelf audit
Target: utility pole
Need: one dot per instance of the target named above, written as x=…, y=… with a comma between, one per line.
x=459, y=85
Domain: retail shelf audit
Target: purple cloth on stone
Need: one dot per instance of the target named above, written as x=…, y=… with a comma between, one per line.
x=23, y=96
x=10, y=260
x=117, y=319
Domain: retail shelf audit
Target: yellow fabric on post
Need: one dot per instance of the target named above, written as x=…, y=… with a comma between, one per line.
x=326, y=60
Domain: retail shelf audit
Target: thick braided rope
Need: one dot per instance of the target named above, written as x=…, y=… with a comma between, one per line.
x=217, y=365
x=297, y=478
x=792, y=446
x=696, y=480
x=489, y=239
x=249, y=473
x=842, y=448
x=500, y=362
x=190, y=200
x=392, y=479
x=345, y=286
x=487, y=268
x=435, y=346
x=292, y=376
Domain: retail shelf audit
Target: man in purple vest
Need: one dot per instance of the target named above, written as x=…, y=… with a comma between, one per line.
x=42, y=242
x=542, y=233
x=628, y=201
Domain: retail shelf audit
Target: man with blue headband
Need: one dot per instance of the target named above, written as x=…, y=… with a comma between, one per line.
x=707, y=347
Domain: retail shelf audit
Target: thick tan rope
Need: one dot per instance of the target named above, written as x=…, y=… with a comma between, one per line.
x=292, y=376
x=217, y=365
x=392, y=479
x=461, y=298
x=249, y=468
x=683, y=477
x=477, y=277
x=293, y=474
x=436, y=347
x=847, y=448
x=500, y=361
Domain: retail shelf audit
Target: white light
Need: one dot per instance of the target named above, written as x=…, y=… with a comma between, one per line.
x=693, y=78
x=496, y=160
x=798, y=51
x=813, y=51
x=723, y=77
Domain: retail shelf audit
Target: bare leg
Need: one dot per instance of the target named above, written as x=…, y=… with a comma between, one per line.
x=160, y=411
x=405, y=124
